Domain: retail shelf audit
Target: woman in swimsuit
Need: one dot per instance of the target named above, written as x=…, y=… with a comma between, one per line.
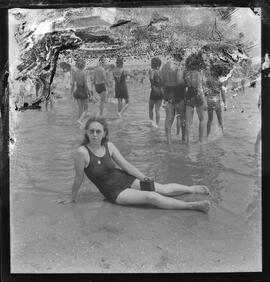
x=194, y=98
x=97, y=158
x=214, y=92
x=121, y=91
x=79, y=87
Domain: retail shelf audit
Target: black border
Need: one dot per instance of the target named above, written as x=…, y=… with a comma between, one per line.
x=4, y=179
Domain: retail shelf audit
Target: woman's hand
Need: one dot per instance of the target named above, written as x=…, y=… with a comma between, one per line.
x=146, y=178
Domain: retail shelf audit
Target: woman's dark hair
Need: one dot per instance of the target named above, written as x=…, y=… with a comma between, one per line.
x=155, y=63
x=195, y=62
x=80, y=64
x=178, y=54
x=119, y=61
x=103, y=122
x=219, y=69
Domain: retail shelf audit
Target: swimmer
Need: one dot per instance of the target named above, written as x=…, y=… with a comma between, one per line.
x=156, y=94
x=79, y=88
x=97, y=158
x=194, y=98
x=214, y=92
x=121, y=90
x=100, y=82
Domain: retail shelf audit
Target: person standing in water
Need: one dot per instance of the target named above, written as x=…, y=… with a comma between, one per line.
x=180, y=106
x=100, y=82
x=194, y=97
x=121, y=90
x=110, y=80
x=125, y=184
x=169, y=81
x=79, y=87
x=156, y=94
x=214, y=92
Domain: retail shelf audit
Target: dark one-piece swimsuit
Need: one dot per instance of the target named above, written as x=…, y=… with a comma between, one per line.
x=109, y=179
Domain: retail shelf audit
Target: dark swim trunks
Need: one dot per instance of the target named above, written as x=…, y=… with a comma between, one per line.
x=193, y=99
x=100, y=88
x=180, y=93
x=170, y=93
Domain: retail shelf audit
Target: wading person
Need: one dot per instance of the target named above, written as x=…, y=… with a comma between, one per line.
x=214, y=93
x=180, y=107
x=121, y=90
x=97, y=158
x=110, y=80
x=79, y=87
x=156, y=94
x=169, y=81
x=100, y=83
x=194, y=95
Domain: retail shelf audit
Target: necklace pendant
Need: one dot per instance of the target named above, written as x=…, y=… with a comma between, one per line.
x=99, y=162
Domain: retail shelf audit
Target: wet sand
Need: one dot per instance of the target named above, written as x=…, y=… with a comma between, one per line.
x=95, y=236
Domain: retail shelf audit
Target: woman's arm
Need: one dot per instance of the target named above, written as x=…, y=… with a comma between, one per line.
x=123, y=163
x=79, y=164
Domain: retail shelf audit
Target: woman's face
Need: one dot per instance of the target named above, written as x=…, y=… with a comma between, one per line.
x=95, y=132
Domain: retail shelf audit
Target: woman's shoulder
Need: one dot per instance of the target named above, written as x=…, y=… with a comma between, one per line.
x=110, y=145
x=80, y=151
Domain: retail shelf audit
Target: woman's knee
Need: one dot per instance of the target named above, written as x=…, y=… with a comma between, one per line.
x=152, y=198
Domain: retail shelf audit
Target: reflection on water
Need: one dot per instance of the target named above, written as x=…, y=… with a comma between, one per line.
x=45, y=140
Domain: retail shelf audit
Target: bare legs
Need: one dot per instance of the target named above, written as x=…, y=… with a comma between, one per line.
x=170, y=112
x=210, y=118
x=102, y=102
x=180, y=118
x=121, y=108
x=83, y=108
x=161, y=197
x=200, y=112
x=154, y=104
x=189, y=120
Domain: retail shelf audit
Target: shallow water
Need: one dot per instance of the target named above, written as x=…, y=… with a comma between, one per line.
x=41, y=162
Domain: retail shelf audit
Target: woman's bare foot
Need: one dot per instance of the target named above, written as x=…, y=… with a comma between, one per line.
x=202, y=206
x=200, y=189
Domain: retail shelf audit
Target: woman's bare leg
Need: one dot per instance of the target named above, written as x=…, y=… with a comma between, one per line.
x=102, y=102
x=137, y=197
x=150, y=109
x=157, y=111
x=80, y=107
x=181, y=110
x=219, y=117
x=170, y=112
x=189, y=119
x=120, y=105
x=124, y=108
x=200, y=113
x=210, y=120
x=174, y=189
